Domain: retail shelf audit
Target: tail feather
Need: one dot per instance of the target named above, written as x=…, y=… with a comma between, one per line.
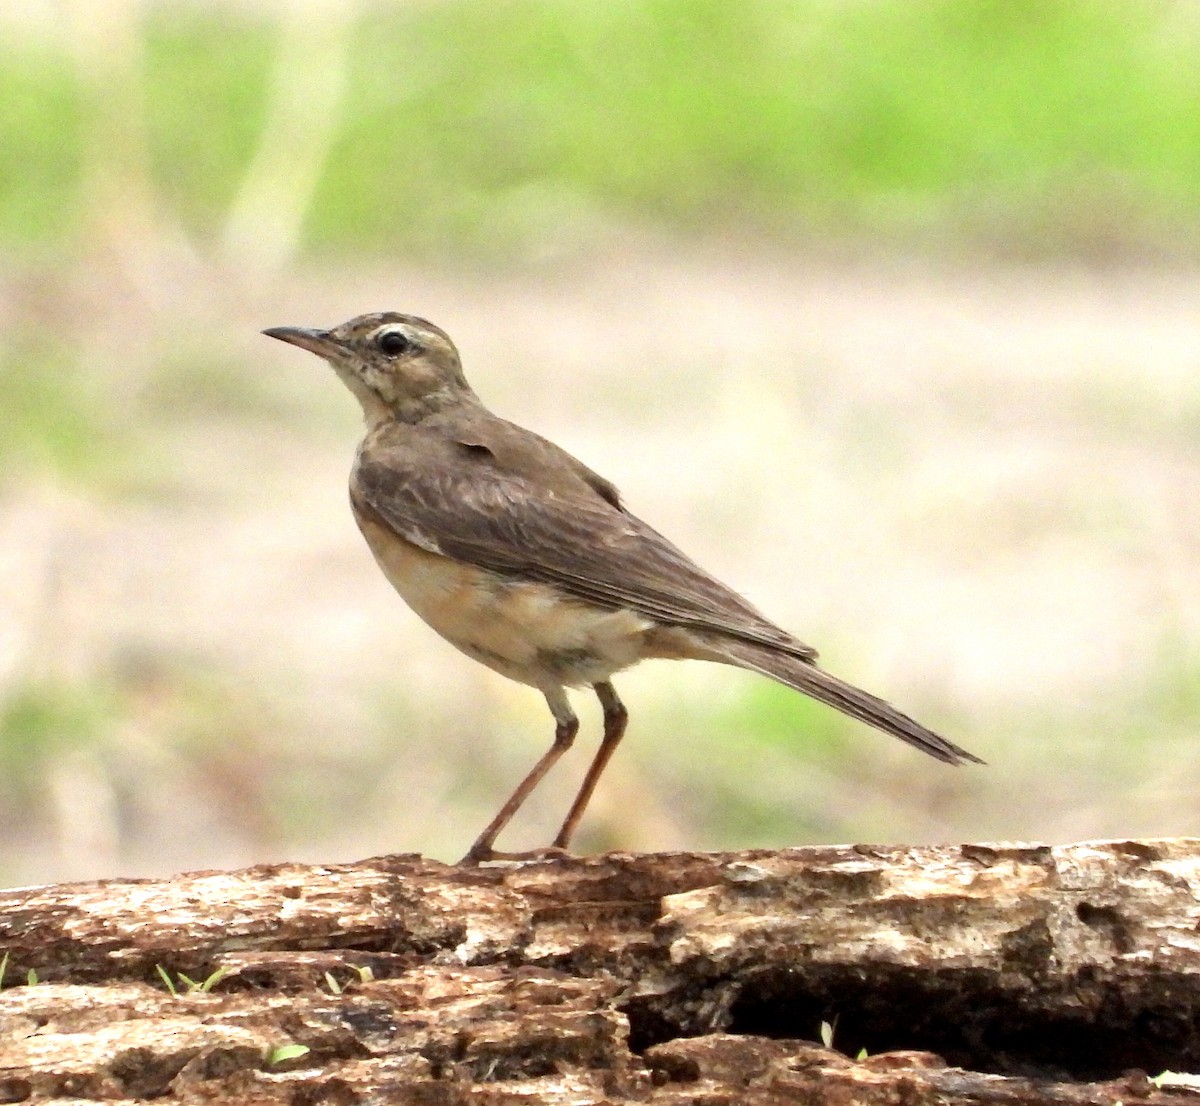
x=806, y=677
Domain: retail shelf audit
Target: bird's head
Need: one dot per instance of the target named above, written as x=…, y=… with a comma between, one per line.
x=398, y=366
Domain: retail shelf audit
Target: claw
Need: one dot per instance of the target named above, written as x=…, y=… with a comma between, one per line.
x=484, y=856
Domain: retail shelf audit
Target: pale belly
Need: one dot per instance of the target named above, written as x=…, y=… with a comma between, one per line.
x=523, y=630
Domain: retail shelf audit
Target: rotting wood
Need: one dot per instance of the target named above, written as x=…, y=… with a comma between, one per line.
x=974, y=974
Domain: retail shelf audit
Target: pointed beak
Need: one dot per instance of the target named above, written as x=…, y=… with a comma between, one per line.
x=315, y=341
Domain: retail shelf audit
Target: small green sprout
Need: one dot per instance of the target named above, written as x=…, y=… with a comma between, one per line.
x=190, y=985
x=165, y=976
x=280, y=1053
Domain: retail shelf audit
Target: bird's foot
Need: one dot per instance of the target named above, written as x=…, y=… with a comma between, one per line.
x=478, y=855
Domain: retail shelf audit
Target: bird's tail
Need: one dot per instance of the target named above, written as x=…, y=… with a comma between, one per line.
x=805, y=676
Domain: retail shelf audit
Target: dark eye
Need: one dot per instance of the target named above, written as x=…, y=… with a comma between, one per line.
x=394, y=342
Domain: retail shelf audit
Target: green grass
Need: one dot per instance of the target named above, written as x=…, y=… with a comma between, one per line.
x=59, y=415
x=882, y=117
x=738, y=760
x=41, y=134
x=772, y=716
x=491, y=126
x=51, y=417
x=42, y=719
x=206, y=82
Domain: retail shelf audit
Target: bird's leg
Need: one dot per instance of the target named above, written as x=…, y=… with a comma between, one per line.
x=615, y=718
x=566, y=727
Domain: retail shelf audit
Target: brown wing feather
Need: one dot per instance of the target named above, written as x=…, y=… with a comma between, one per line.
x=465, y=505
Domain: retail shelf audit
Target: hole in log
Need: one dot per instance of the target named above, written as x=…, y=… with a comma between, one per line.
x=962, y=1017
x=1107, y=920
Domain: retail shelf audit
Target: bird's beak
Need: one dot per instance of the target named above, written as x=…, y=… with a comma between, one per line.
x=319, y=342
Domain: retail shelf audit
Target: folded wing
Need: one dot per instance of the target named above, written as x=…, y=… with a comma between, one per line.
x=463, y=505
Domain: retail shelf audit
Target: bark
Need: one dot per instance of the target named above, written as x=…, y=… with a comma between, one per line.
x=968, y=974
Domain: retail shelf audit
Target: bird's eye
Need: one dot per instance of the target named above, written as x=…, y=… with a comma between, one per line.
x=394, y=342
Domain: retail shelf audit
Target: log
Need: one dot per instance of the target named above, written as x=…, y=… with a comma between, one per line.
x=951, y=974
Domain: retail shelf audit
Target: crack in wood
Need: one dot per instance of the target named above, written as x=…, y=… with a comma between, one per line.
x=980, y=973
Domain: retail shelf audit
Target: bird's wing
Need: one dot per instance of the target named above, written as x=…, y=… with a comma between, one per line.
x=458, y=502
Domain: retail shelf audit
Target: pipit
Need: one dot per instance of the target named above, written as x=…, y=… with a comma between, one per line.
x=528, y=561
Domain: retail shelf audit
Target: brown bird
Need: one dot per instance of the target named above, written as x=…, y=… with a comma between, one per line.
x=528, y=561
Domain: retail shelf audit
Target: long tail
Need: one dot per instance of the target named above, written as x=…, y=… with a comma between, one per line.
x=807, y=677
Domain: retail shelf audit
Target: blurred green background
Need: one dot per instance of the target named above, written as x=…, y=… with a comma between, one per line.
x=887, y=312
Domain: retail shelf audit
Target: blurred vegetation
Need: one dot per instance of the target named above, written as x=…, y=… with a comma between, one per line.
x=48, y=418
x=163, y=160
x=1037, y=126
x=41, y=721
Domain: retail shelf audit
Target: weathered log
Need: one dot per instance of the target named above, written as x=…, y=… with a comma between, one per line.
x=966, y=974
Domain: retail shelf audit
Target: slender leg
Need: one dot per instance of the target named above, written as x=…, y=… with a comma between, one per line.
x=567, y=725
x=615, y=718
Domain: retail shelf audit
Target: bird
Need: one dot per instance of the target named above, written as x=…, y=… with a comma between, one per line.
x=531, y=564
